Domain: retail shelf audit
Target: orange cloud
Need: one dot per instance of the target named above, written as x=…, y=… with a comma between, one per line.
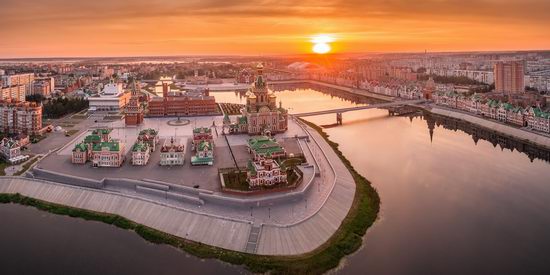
x=169, y=27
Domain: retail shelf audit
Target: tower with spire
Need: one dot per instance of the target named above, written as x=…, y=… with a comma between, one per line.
x=261, y=114
x=134, y=110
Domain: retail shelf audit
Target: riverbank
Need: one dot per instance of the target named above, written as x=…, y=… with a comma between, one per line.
x=506, y=130
x=344, y=241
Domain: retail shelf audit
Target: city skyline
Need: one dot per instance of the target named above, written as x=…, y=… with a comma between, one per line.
x=61, y=28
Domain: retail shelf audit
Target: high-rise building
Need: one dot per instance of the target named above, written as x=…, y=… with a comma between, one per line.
x=509, y=76
x=20, y=117
x=19, y=79
x=15, y=92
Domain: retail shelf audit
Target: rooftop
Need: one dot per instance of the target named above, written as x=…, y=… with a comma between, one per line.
x=113, y=146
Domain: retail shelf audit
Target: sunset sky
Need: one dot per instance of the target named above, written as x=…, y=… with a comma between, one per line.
x=47, y=28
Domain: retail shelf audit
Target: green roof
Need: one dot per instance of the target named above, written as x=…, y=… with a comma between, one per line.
x=113, y=146
x=94, y=138
x=202, y=129
x=80, y=146
x=148, y=131
x=508, y=106
x=102, y=131
x=198, y=160
x=140, y=147
x=540, y=113
x=264, y=145
x=243, y=120
x=205, y=145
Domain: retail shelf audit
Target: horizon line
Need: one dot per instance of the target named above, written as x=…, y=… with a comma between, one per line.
x=274, y=55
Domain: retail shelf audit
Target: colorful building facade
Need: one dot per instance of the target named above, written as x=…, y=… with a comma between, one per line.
x=141, y=152
x=182, y=104
x=261, y=114
x=264, y=147
x=99, y=149
x=203, y=146
x=265, y=172
x=172, y=152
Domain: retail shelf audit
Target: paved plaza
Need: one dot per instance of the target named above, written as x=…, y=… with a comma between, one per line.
x=206, y=177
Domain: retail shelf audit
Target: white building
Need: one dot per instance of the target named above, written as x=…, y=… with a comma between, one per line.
x=111, y=99
x=172, y=152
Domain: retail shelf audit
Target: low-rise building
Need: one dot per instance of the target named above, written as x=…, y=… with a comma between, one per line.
x=204, y=153
x=100, y=149
x=264, y=147
x=538, y=120
x=265, y=172
x=202, y=134
x=81, y=153
x=141, y=152
x=172, y=152
x=10, y=150
x=149, y=136
x=203, y=146
x=111, y=99
x=108, y=154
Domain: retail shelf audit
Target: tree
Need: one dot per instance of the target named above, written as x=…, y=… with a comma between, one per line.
x=35, y=98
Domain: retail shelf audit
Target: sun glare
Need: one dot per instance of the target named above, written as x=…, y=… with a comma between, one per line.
x=321, y=48
x=321, y=43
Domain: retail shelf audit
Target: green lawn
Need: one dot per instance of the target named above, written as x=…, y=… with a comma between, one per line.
x=3, y=165
x=236, y=181
x=72, y=132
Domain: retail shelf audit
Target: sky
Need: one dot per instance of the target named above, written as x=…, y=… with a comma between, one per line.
x=63, y=28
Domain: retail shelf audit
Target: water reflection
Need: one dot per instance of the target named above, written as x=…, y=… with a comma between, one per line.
x=477, y=133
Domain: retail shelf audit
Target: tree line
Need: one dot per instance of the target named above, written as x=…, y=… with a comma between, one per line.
x=59, y=107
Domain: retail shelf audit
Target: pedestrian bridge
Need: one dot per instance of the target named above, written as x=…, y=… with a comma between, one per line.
x=357, y=108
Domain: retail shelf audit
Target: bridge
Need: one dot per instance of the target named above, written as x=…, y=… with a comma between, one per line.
x=340, y=111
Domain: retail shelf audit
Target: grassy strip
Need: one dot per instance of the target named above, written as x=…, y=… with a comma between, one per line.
x=345, y=241
x=26, y=166
x=3, y=166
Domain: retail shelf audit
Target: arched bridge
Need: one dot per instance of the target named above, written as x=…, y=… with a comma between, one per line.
x=339, y=111
x=357, y=108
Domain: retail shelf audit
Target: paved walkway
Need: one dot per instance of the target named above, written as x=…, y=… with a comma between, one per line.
x=176, y=221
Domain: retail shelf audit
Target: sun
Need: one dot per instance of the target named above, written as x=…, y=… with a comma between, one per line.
x=321, y=48
x=321, y=43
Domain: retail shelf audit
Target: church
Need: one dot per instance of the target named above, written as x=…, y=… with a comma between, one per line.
x=260, y=116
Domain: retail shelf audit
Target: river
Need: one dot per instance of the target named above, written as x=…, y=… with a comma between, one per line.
x=455, y=199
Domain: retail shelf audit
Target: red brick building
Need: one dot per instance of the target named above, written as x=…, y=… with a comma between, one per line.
x=182, y=104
